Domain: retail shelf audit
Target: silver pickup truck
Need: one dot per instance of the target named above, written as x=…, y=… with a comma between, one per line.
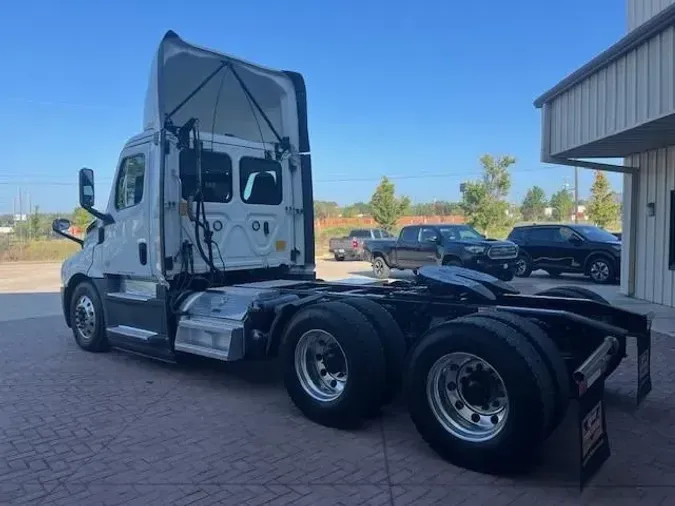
x=351, y=246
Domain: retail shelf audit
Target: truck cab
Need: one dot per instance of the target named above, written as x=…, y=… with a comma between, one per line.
x=215, y=190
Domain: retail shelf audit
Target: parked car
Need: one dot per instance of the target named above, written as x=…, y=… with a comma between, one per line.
x=458, y=245
x=559, y=249
x=351, y=246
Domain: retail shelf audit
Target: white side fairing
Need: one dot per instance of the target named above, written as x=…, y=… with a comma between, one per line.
x=254, y=198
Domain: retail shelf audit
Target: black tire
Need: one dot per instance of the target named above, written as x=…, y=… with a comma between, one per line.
x=392, y=340
x=551, y=355
x=526, y=379
x=524, y=269
x=452, y=262
x=506, y=276
x=601, y=262
x=365, y=362
x=579, y=292
x=85, y=304
x=380, y=268
x=338, y=258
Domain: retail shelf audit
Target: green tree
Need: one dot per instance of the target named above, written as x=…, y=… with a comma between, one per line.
x=385, y=207
x=603, y=208
x=81, y=218
x=324, y=209
x=34, y=223
x=483, y=201
x=534, y=204
x=562, y=203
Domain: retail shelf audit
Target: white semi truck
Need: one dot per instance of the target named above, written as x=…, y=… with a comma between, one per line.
x=206, y=247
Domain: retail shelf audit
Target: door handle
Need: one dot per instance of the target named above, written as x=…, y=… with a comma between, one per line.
x=143, y=252
x=266, y=228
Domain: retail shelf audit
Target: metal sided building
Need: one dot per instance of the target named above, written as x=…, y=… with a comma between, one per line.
x=621, y=104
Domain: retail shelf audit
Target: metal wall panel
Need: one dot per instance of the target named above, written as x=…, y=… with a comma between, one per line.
x=654, y=281
x=635, y=89
x=640, y=11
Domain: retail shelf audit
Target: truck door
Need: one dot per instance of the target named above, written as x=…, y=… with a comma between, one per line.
x=407, y=248
x=428, y=247
x=126, y=248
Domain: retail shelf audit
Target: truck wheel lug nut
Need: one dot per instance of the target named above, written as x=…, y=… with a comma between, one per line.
x=333, y=383
x=475, y=418
x=322, y=372
x=459, y=405
x=452, y=386
x=494, y=419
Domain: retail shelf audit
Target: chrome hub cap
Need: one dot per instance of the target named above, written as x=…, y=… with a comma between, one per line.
x=85, y=317
x=321, y=365
x=468, y=397
x=378, y=267
x=520, y=267
x=600, y=270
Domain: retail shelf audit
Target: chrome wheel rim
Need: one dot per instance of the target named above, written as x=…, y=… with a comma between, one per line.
x=468, y=397
x=378, y=267
x=521, y=266
x=600, y=270
x=85, y=317
x=321, y=365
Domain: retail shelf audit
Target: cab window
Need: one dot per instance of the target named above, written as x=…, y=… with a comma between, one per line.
x=216, y=175
x=130, y=182
x=260, y=181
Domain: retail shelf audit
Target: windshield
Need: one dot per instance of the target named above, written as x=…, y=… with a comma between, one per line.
x=596, y=234
x=460, y=232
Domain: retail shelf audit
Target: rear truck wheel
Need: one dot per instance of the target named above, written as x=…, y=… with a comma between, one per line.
x=334, y=364
x=392, y=340
x=87, y=319
x=480, y=395
x=523, y=267
x=549, y=352
x=380, y=268
x=601, y=270
x=339, y=258
x=579, y=292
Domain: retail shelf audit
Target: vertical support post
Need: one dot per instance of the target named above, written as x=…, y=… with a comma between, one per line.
x=576, y=194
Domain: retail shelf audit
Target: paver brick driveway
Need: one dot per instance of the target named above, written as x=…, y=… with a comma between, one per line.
x=81, y=428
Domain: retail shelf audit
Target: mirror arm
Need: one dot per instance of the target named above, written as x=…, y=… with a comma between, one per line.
x=104, y=217
x=68, y=236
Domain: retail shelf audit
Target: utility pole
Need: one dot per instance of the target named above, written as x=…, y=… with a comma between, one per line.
x=576, y=194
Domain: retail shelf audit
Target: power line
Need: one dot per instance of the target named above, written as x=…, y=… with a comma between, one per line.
x=442, y=175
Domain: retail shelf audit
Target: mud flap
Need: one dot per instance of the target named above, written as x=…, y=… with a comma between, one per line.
x=644, y=349
x=593, y=439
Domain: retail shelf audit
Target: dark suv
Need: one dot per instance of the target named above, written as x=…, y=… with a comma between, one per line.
x=557, y=249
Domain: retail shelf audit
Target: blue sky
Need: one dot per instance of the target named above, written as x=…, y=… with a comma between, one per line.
x=395, y=88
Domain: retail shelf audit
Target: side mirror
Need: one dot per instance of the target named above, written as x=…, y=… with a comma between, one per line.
x=60, y=225
x=87, y=188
